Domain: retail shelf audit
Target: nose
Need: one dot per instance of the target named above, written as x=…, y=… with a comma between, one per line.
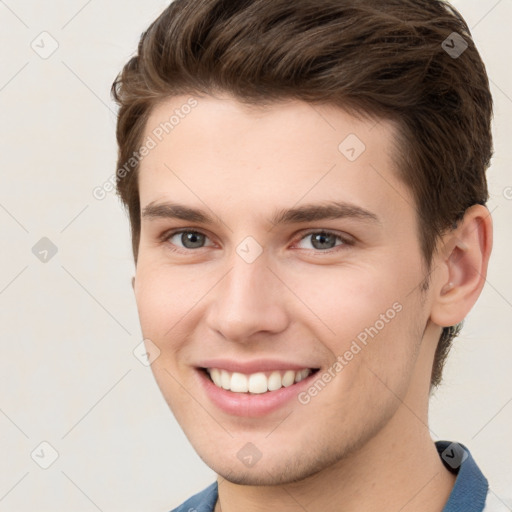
x=250, y=299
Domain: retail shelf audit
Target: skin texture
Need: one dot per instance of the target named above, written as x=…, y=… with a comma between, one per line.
x=367, y=429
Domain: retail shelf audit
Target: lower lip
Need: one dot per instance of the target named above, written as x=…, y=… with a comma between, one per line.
x=249, y=404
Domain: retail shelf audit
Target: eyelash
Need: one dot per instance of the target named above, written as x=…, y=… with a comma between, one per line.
x=346, y=240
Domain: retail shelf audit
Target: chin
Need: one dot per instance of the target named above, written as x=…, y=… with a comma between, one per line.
x=274, y=470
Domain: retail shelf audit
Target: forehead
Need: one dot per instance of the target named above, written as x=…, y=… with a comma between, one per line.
x=257, y=158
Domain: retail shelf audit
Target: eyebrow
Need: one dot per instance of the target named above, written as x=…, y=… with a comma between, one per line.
x=306, y=213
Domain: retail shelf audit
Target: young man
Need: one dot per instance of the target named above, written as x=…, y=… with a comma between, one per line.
x=306, y=188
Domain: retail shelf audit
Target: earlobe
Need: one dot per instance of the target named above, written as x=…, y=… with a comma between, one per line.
x=464, y=267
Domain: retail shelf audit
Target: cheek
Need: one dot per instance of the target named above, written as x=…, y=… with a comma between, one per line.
x=368, y=317
x=164, y=297
x=165, y=300
x=345, y=300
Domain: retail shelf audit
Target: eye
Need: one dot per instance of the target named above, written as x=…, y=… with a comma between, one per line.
x=320, y=240
x=325, y=240
x=188, y=238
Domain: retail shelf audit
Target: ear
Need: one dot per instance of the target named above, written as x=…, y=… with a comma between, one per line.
x=462, y=267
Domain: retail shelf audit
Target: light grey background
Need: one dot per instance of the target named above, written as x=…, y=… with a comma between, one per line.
x=68, y=375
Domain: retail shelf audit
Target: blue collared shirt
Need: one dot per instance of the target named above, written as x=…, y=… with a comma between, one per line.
x=469, y=494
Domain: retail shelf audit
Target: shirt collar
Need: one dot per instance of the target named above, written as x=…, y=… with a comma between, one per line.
x=470, y=490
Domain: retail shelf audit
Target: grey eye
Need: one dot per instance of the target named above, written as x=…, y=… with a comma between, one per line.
x=321, y=240
x=190, y=239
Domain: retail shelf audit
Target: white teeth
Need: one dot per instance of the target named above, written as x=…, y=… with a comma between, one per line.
x=215, y=375
x=274, y=381
x=288, y=378
x=225, y=379
x=302, y=375
x=239, y=383
x=257, y=382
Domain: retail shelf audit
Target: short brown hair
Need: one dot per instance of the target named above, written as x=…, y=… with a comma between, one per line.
x=387, y=59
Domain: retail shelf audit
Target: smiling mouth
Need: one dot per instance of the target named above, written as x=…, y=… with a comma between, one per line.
x=256, y=383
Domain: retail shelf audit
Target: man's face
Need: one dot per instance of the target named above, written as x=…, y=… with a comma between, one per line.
x=259, y=298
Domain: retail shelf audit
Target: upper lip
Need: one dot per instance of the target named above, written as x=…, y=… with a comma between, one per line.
x=254, y=366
